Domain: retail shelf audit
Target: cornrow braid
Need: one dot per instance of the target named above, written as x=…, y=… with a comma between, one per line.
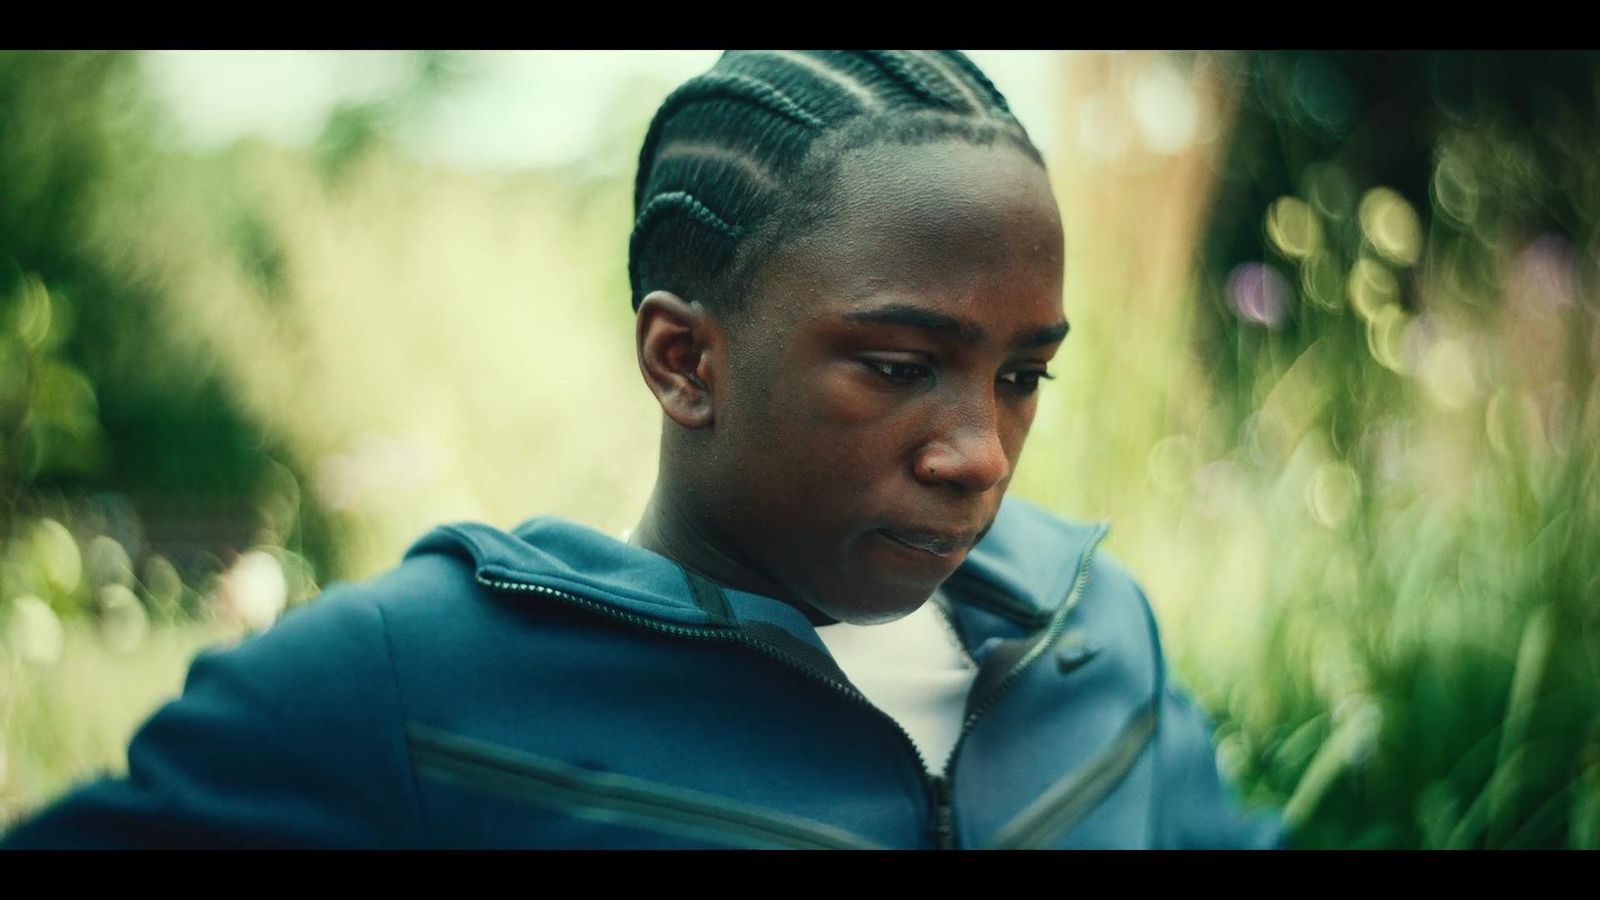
x=970, y=96
x=716, y=87
x=741, y=157
x=712, y=87
x=974, y=73
x=917, y=76
x=662, y=205
x=839, y=76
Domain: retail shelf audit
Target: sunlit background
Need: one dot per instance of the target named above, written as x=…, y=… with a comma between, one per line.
x=267, y=317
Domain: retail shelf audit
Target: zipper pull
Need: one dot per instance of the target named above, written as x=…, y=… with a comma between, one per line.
x=943, y=817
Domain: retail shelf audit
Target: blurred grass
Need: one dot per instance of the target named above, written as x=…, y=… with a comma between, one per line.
x=66, y=720
x=1364, y=506
x=1371, y=551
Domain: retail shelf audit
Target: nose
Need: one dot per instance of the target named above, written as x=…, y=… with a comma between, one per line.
x=969, y=454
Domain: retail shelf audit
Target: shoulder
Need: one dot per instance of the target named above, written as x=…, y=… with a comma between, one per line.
x=349, y=625
x=292, y=737
x=1058, y=579
x=317, y=661
x=320, y=685
x=320, y=688
x=1107, y=609
x=337, y=640
x=1119, y=601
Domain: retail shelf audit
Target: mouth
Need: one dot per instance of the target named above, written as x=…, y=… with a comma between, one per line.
x=942, y=546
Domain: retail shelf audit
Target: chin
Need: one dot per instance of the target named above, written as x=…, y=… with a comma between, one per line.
x=874, y=616
x=878, y=606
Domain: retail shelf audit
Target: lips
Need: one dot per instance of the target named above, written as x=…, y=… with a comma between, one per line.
x=931, y=542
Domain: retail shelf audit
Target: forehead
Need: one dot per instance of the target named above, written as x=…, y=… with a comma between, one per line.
x=910, y=190
x=950, y=225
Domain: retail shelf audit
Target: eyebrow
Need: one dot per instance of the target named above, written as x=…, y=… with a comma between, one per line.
x=962, y=330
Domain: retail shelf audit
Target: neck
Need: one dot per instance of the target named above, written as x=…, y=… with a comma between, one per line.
x=669, y=529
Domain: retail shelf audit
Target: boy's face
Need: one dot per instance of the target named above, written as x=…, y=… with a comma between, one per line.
x=876, y=398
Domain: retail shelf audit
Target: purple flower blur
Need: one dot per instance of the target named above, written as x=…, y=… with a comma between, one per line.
x=1545, y=274
x=1259, y=294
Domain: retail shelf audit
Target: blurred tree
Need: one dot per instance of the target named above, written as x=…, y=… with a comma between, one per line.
x=1325, y=128
x=354, y=129
x=95, y=396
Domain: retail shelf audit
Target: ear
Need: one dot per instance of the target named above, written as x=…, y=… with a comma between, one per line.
x=676, y=340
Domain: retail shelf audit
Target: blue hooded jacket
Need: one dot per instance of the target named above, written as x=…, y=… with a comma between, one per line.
x=555, y=687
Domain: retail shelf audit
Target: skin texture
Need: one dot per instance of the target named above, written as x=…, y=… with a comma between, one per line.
x=796, y=432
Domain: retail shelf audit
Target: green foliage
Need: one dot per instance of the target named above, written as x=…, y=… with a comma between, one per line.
x=1430, y=225
x=125, y=462
x=95, y=392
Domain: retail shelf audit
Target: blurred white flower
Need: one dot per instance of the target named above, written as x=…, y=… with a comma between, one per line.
x=34, y=630
x=58, y=555
x=254, y=590
x=108, y=562
x=123, y=621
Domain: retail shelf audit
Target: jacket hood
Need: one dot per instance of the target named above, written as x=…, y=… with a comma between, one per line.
x=1023, y=568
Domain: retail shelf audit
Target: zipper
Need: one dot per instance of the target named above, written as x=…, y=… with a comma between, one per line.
x=941, y=829
x=609, y=796
x=943, y=816
x=1058, y=623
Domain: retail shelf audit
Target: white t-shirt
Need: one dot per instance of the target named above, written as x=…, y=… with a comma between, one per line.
x=914, y=669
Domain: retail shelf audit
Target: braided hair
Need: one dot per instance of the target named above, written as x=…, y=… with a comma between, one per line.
x=742, y=157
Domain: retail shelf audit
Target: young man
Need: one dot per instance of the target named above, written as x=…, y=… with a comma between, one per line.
x=829, y=629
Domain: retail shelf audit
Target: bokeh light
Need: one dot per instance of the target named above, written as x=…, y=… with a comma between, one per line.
x=1294, y=228
x=1391, y=226
x=1373, y=289
x=1259, y=294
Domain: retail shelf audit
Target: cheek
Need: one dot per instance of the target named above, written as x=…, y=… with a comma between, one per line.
x=837, y=396
x=832, y=438
x=833, y=410
x=1014, y=432
x=1018, y=425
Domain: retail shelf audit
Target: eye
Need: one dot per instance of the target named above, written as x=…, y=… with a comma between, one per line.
x=1025, y=381
x=902, y=373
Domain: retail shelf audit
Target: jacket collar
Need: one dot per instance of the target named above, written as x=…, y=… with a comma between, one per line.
x=1023, y=569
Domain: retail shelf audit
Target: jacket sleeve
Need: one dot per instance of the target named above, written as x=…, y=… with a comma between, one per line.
x=290, y=739
x=1197, y=808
